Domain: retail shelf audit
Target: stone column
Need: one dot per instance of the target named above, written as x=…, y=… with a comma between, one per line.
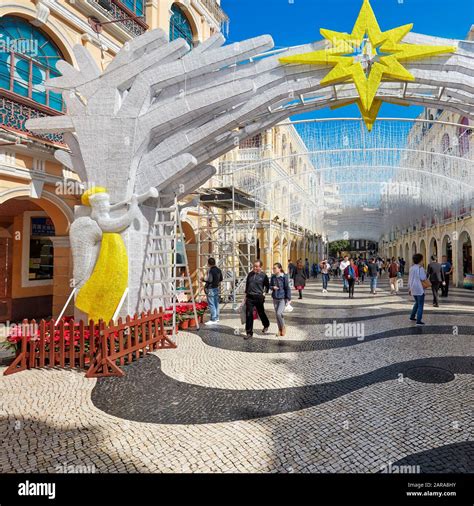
x=62, y=276
x=152, y=14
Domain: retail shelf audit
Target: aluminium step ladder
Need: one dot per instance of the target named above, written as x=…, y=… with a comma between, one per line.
x=167, y=280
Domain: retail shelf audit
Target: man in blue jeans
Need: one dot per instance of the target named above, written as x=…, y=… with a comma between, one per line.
x=213, y=281
x=415, y=288
x=373, y=273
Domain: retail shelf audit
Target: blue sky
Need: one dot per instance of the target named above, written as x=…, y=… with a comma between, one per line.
x=294, y=22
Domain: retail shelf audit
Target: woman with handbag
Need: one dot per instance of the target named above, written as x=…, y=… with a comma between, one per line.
x=417, y=283
x=281, y=295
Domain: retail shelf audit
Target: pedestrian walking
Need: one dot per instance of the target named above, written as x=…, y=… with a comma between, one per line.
x=447, y=270
x=281, y=295
x=256, y=286
x=291, y=268
x=306, y=268
x=325, y=271
x=299, y=278
x=380, y=266
x=361, y=267
x=435, y=274
x=342, y=267
x=373, y=273
x=417, y=282
x=213, y=280
x=393, y=270
x=402, y=263
x=351, y=274
x=335, y=268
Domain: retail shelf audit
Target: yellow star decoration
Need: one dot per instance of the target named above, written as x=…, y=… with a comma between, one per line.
x=367, y=35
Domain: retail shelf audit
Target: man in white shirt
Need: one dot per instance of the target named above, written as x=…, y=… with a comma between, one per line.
x=416, y=289
x=342, y=266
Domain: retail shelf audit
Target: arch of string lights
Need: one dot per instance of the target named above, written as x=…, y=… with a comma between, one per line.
x=360, y=184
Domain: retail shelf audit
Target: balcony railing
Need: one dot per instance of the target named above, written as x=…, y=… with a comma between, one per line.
x=13, y=115
x=114, y=9
x=251, y=154
x=216, y=10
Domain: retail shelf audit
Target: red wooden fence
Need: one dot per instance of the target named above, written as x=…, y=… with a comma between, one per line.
x=97, y=347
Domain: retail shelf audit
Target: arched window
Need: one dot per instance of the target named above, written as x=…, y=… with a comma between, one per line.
x=27, y=59
x=445, y=143
x=180, y=28
x=463, y=136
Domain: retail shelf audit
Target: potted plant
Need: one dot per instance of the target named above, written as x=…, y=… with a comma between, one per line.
x=201, y=309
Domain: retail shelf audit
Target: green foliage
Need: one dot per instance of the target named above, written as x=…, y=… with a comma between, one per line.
x=336, y=247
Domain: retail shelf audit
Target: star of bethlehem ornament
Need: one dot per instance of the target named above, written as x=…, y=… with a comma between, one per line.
x=366, y=57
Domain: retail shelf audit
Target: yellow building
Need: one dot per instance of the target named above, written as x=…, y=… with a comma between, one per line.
x=443, y=147
x=265, y=201
x=37, y=194
x=276, y=169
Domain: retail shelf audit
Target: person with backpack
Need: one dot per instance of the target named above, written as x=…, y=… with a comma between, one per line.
x=393, y=270
x=351, y=275
x=212, y=281
x=281, y=295
x=256, y=286
x=373, y=273
x=417, y=282
x=361, y=266
x=435, y=274
x=342, y=266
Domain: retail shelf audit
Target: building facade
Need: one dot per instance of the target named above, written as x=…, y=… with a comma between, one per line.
x=443, y=225
x=38, y=194
x=265, y=201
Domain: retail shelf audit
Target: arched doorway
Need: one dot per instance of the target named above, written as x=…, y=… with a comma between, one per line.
x=423, y=251
x=465, y=273
x=414, y=250
x=35, y=257
x=276, y=251
x=446, y=248
x=433, y=247
x=284, y=259
x=407, y=255
x=293, y=253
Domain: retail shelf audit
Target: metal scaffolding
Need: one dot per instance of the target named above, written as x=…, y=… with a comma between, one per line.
x=227, y=231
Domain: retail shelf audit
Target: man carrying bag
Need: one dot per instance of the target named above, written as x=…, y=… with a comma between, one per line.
x=256, y=286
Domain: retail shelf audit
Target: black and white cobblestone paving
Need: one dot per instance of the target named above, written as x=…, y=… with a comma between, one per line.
x=397, y=397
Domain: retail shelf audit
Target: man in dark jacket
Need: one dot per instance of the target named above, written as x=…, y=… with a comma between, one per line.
x=211, y=287
x=436, y=275
x=373, y=274
x=256, y=286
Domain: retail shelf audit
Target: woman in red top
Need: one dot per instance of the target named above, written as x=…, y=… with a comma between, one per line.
x=351, y=273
